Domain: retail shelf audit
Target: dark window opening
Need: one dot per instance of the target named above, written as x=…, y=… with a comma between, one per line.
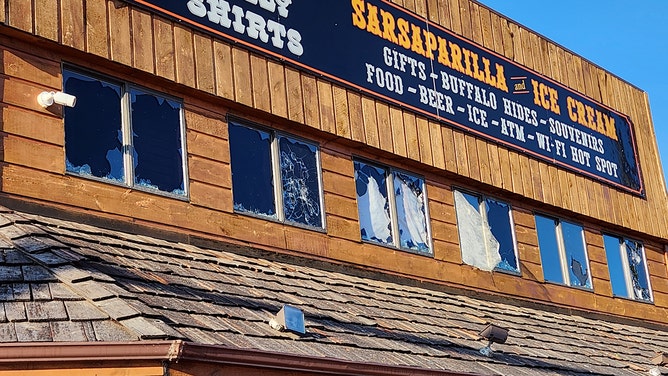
x=563, y=253
x=275, y=176
x=383, y=215
x=124, y=134
x=628, y=268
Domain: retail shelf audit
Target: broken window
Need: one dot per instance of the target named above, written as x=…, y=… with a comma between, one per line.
x=268, y=167
x=120, y=133
x=486, y=235
x=383, y=215
x=628, y=268
x=562, y=251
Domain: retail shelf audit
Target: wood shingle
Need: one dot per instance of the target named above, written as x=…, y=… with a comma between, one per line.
x=165, y=290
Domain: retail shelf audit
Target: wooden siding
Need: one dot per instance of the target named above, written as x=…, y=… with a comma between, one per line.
x=83, y=368
x=216, y=78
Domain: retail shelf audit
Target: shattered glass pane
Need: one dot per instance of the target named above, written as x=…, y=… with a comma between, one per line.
x=485, y=232
x=498, y=218
x=301, y=185
x=576, y=258
x=638, y=271
x=373, y=203
x=252, y=178
x=411, y=212
x=613, y=252
x=549, y=249
x=156, y=133
x=479, y=246
x=92, y=128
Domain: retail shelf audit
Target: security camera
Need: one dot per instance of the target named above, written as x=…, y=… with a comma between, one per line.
x=64, y=99
x=46, y=99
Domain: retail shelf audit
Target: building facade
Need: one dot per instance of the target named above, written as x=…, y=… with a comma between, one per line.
x=431, y=144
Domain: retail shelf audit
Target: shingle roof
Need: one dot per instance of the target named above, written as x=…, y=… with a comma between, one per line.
x=66, y=281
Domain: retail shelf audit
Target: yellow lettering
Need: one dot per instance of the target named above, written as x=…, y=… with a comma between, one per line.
x=536, y=94
x=477, y=73
x=417, y=45
x=443, y=52
x=554, y=99
x=600, y=123
x=373, y=23
x=591, y=121
x=456, y=56
x=404, y=40
x=543, y=96
x=591, y=118
x=430, y=44
x=501, y=78
x=581, y=113
x=570, y=105
x=489, y=79
x=388, y=27
x=546, y=97
x=358, y=14
x=467, y=63
x=611, y=131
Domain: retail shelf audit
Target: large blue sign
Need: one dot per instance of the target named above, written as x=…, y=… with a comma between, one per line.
x=385, y=51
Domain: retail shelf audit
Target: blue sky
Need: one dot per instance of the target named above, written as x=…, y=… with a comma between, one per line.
x=627, y=38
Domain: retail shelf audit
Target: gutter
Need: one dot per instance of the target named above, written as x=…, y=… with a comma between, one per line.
x=39, y=352
x=186, y=353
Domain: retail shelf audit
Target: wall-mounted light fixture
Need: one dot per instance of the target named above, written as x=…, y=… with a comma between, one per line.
x=493, y=334
x=48, y=98
x=660, y=360
x=289, y=318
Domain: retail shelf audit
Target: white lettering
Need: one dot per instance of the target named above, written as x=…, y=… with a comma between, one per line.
x=256, y=26
x=197, y=7
x=605, y=166
x=468, y=90
x=520, y=112
x=219, y=12
x=283, y=7
x=295, y=42
x=278, y=32
x=436, y=99
x=580, y=156
x=270, y=5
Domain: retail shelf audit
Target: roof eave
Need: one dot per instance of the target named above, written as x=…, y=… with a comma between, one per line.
x=178, y=351
x=277, y=360
x=88, y=351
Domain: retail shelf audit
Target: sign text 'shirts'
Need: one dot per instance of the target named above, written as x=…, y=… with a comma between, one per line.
x=246, y=22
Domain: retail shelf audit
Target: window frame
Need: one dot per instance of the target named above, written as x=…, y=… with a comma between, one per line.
x=394, y=218
x=563, y=253
x=482, y=199
x=126, y=88
x=277, y=174
x=626, y=269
